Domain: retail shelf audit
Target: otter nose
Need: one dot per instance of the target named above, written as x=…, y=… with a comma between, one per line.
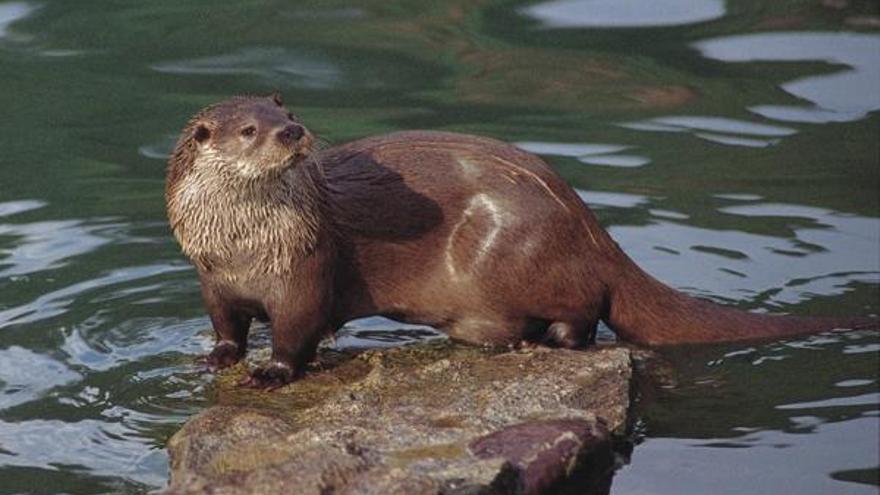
x=291, y=134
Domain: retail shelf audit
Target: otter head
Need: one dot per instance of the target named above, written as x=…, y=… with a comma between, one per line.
x=249, y=137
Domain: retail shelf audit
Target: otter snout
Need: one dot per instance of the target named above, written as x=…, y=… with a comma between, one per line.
x=290, y=134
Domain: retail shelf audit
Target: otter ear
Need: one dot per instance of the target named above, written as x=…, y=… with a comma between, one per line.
x=276, y=97
x=201, y=133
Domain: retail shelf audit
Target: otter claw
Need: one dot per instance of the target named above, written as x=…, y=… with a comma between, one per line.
x=223, y=355
x=269, y=377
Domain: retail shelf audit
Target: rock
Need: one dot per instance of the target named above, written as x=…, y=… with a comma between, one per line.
x=419, y=420
x=542, y=454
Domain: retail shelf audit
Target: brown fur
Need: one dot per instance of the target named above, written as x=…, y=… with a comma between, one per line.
x=471, y=235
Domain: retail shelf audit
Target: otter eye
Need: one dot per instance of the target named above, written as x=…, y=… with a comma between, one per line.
x=249, y=131
x=291, y=117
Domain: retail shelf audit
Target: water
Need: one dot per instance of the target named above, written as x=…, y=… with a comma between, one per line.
x=731, y=148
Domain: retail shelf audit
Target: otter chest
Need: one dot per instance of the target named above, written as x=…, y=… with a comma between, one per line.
x=239, y=238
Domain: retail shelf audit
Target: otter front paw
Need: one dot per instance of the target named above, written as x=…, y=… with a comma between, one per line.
x=225, y=354
x=270, y=377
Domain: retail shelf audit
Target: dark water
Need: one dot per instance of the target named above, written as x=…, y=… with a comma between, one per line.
x=731, y=148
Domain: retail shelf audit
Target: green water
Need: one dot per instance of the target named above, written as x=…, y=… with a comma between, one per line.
x=732, y=149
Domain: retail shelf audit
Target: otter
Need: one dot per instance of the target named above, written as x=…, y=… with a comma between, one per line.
x=470, y=235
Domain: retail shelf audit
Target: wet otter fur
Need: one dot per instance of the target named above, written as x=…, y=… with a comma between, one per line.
x=473, y=236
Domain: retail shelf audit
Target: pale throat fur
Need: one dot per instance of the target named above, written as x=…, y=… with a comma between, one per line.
x=235, y=225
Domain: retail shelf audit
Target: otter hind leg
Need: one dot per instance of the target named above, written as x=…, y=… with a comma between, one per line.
x=569, y=334
x=492, y=331
x=514, y=332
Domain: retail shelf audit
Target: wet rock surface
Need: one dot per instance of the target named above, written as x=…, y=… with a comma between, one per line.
x=417, y=420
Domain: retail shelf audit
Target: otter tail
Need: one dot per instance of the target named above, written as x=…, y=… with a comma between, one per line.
x=643, y=310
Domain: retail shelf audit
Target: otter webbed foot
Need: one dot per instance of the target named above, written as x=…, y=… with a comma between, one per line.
x=269, y=377
x=224, y=354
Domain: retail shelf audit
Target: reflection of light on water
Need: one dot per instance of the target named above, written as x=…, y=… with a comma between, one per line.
x=56, y=302
x=739, y=197
x=15, y=207
x=828, y=430
x=830, y=448
x=278, y=65
x=111, y=448
x=721, y=130
x=325, y=14
x=857, y=400
x=11, y=12
x=158, y=151
x=624, y=13
x=674, y=215
x=626, y=161
x=569, y=149
x=45, y=245
x=863, y=348
x=598, y=199
x=725, y=125
x=856, y=382
x=838, y=97
x=737, y=141
x=19, y=383
x=842, y=249
x=381, y=332
x=589, y=153
x=101, y=345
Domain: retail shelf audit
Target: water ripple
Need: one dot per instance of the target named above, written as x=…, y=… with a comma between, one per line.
x=842, y=96
x=25, y=375
x=10, y=208
x=46, y=245
x=624, y=13
x=56, y=302
x=11, y=12
x=100, y=346
x=831, y=448
x=110, y=448
x=827, y=254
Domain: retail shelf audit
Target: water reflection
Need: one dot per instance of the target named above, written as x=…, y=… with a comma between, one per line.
x=853, y=383
x=721, y=130
x=10, y=208
x=838, y=97
x=600, y=199
x=570, y=149
x=25, y=375
x=11, y=12
x=625, y=161
x=841, y=96
x=738, y=197
x=818, y=436
x=99, y=345
x=56, y=302
x=725, y=125
x=381, y=332
x=589, y=153
x=47, y=245
x=827, y=250
x=283, y=67
x=54, y=443
x=871, y=399
x=623, y=13
x=277, y=65
x=326, y=14
x=800, y=463
x=862, y=349
x=158, y=151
